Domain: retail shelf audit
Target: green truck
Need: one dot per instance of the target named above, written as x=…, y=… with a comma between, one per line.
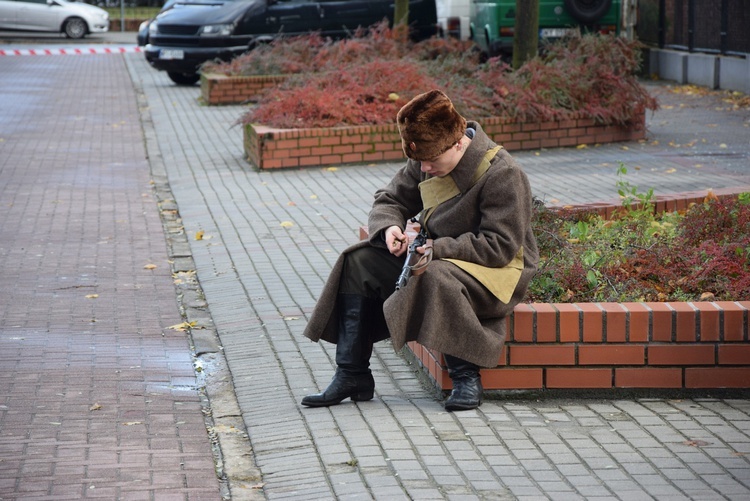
x=492, y=24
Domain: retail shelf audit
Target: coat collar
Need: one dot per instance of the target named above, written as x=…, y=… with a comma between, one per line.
x=463, y=174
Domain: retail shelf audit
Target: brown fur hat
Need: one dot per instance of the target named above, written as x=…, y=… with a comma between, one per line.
x=429, y=125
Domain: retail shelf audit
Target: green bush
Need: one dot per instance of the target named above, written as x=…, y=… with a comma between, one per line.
x=695, y=255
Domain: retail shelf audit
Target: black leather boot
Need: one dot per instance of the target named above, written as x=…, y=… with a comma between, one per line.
x=467, y=385
x=353, y=378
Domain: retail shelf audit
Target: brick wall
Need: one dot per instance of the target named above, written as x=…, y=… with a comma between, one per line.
x=674, y=345
x=221, y=89
x=269, y=148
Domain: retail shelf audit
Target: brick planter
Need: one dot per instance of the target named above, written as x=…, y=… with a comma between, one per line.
x=607, y=346
x=269, y=148
x=221, y=89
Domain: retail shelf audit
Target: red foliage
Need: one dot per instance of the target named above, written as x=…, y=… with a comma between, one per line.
x=370, y=93
x=589, y=76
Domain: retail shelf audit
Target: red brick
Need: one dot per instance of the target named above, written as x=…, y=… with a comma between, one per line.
x=709, y=321
x=673, y=354
x=593, y=329
x=638, y=322
x=511, y=379
x=578, y=378
x=733, y=354
x=530, y=126
x=543, y=355
x=662, y=321
x=617, y=354
x=648, y=377
x=523, y=323
x=546, y=322
x=735, y=326
x=570, y=324
x=717, y=377
x=685, y=315
x=615, y=317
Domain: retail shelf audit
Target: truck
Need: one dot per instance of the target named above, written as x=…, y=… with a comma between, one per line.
x=492, y=23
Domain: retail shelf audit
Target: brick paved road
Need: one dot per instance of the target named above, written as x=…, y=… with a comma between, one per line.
x=98, y=397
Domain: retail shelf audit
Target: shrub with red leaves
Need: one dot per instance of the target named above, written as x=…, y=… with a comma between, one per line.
x=700, y=255
x=590, y=76
x=370, y=93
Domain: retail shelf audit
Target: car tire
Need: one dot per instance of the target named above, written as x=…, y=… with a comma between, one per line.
x=75, y=28
x=587, y=11
x=184, y=78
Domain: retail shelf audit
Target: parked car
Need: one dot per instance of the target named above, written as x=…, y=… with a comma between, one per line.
x=74, y=19
x=187, y=33
x=492, y=23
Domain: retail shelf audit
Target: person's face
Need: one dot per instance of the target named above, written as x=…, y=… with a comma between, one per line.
x=443, y=164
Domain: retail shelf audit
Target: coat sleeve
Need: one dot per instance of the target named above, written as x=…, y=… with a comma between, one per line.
x=395, y=203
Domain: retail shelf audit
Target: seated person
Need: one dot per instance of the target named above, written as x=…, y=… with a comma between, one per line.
x=474, y=204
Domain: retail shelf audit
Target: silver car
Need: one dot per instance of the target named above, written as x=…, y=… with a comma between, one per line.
x=75, y=19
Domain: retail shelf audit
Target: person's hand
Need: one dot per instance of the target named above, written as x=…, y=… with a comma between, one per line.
x=425, y=258
x=396, y=240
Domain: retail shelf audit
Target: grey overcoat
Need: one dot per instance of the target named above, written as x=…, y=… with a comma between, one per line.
x=445, y=308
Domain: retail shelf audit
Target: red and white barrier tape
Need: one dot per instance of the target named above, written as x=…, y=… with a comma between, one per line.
x=70, y=51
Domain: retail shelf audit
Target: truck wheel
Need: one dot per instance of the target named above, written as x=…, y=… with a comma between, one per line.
x=587, y=11
x=184, y=78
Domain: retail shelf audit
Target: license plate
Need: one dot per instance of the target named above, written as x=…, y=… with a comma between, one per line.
x=554, y=32
x=171, y=54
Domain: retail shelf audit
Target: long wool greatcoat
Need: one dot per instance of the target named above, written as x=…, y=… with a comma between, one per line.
x=445, y=308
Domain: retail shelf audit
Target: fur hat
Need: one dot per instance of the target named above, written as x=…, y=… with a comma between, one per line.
x=429, y=125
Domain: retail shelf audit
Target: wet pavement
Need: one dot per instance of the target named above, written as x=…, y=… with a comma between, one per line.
x=108, y=172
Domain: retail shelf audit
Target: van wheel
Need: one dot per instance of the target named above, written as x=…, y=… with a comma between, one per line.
x=75, y=27
x=184, y=78
x=587, y=11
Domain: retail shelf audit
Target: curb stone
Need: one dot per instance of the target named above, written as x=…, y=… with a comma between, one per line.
x=239, y=478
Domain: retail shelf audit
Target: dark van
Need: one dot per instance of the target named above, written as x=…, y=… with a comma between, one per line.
x=188, y=33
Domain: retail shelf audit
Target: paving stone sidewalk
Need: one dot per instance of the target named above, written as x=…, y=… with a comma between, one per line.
x=269, y=240
x=99, y=397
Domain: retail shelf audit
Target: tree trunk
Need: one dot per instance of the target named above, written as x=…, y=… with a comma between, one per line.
x=401, y=19
x=401, y=13
x=526, y=35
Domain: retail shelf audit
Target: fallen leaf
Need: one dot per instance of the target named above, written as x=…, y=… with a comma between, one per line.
x=95, y=407
x=183, y=326
x=708, y=296
x=671, y=171
x=624, y=148
x=393, y=96
x=696, y=443
x=287, y=224
x=581, y=146
x=314, y=197
x=92, y=296
x=132, y=423
x=150, y=267
x=291, y=204
x=332, y=169
x=723, y=145
x=199, y=235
